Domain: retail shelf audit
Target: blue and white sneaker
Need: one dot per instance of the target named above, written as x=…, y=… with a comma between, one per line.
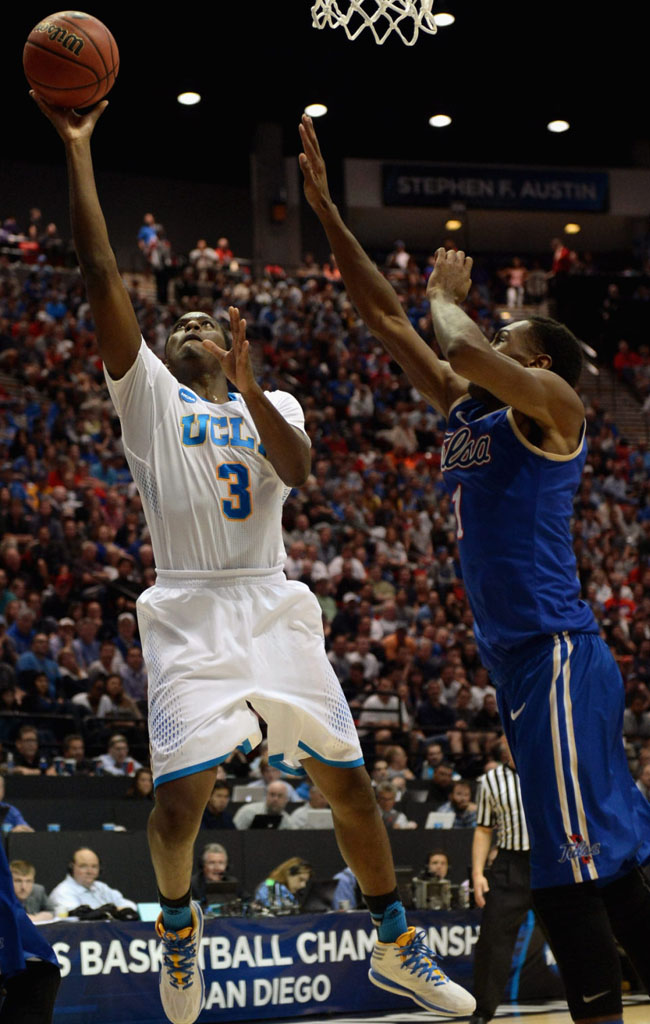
x=408, y=967
x=182, y=991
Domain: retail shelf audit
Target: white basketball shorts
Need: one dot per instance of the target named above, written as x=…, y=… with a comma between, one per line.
x=222, y=649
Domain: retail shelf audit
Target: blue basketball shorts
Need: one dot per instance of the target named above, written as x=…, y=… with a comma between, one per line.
x=561, y=701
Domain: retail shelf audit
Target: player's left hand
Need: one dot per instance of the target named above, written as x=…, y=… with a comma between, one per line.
x=451, y=276
x=236, y=362
x=312, y=166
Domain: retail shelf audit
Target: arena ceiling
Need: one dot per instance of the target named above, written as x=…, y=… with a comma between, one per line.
x=501, y=71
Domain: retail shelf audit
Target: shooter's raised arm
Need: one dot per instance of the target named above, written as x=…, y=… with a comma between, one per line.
x=373, y=296
x=118, y=333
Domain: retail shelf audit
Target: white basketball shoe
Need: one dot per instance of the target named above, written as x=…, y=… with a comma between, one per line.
x=408, y=967
x=182, y=991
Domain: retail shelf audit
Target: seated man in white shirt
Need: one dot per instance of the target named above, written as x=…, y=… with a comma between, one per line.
x=117, y=761
x=277, y=798
x=81, y=888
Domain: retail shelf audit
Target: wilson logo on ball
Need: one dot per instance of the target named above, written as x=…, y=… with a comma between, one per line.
x=62, y=36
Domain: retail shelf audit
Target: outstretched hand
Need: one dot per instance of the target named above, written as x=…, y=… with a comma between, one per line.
x=236, y=362
x=70, y=125
x=312, y=166
x=451, y=276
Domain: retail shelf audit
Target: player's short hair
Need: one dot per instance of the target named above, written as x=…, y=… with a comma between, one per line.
x=558, y=342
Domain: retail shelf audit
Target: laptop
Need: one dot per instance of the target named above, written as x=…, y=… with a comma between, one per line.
x=248, y=794
x=319, y=817
x=440, y=819
x=148, y=911
x=266, y=821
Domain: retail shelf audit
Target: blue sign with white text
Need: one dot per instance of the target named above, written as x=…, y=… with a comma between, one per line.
x=490, y=188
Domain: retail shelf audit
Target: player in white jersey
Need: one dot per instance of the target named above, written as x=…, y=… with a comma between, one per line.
x=223, y=628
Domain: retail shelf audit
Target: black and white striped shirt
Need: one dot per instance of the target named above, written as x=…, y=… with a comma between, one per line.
x=499, y=804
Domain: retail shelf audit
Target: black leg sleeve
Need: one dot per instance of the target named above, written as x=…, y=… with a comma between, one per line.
x=628, y=907
x=579, y=932
x=30, y=995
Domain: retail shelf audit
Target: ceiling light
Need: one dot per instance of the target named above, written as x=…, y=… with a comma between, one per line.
x=443, y=19
x=571, y=229
x=439, y=120
x=188, y=99
x=315, y=109
x=558, y=126
x=453, y=225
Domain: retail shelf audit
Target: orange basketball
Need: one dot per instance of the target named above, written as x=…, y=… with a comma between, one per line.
x=71, y=59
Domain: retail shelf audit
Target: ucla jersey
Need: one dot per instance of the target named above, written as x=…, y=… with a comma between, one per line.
x=211, y=498
x=513, y=503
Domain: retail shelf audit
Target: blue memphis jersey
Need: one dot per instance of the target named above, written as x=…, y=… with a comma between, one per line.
x=513, y=504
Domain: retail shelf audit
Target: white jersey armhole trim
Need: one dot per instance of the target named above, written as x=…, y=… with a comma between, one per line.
x=552, y=456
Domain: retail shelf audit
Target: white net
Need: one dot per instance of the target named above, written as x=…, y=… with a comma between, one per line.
x=406, y=18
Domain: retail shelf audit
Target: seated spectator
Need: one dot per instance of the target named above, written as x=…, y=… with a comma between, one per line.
x=398, y=765
x=37, y=660
x=277, y=798
x=73, y=748
x=28, y=759
x=126, y=633
x=37, y=699
x=460, y=802
x=31, y=896
x=636, y=717
x=285, y=885
x=386, y=797
x=381, y=709
x=117, y=761
x=109, y=662
x=81, y=888
x=433, y=756
x=643, y=780
x=122, y=708
x=433, y=717
x=73, y=678
x=347, y=895
x=213, y=867
x=86, y=645
x=94, y=702
x=270, y=773
x=488, y=721
x=142, y=786
x=22, y=632
x=316, y=801
x=10, y=815
x=134, y=675
x=216, y=813
x=437, y=865
x=441, y=785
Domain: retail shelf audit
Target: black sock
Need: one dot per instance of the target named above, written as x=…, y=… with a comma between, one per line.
x=177, y=913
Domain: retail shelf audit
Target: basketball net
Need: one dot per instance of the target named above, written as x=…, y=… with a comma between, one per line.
x=404, y=17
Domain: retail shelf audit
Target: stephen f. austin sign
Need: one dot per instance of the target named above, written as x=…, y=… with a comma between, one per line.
x=492, y=188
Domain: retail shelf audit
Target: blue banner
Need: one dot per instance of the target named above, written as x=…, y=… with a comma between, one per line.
x=255, y=968
x=490, y=188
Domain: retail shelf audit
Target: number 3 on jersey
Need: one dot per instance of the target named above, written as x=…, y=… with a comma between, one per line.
x=238, y=504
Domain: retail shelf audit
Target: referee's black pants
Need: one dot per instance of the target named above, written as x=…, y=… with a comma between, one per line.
x=506, y=904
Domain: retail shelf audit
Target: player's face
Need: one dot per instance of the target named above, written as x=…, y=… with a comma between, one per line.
x=184, y=351
x=509, y=341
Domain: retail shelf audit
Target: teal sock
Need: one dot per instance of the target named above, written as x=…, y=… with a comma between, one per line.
x=392, y=922
x=177, y=914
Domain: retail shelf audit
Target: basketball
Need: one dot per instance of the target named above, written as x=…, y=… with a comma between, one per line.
x=71, y=59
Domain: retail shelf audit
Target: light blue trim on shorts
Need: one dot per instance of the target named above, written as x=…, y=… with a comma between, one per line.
x=335, y=764
x=277, y=761
x=193, y=769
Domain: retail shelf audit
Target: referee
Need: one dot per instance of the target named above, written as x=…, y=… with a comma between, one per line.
x=506, y=898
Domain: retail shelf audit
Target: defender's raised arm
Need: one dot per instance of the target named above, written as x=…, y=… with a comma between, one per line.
x=118, y=333
x=376, y=299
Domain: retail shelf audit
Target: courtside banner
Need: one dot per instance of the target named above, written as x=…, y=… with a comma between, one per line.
x=493, y=188
x=261, y=967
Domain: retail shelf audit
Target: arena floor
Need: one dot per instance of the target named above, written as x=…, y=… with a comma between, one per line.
x=636, y=1011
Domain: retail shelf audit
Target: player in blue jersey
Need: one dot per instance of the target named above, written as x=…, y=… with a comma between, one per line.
x=512, y=460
